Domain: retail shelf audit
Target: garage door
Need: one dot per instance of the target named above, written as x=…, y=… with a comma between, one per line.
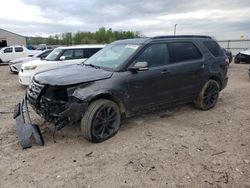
x=3, y=43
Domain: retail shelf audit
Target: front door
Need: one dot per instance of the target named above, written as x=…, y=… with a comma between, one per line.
x=151, y=87
x=8, y=54
x=72, y=56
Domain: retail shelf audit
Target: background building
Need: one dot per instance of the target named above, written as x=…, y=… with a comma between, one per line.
x=8, y=38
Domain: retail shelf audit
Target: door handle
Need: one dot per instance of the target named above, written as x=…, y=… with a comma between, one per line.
x=165, y=71
x=203, y=65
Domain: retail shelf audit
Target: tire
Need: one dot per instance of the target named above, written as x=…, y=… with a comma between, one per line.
x=13, y=72
x=208, y=96
x=236, y=60
x=101, y=121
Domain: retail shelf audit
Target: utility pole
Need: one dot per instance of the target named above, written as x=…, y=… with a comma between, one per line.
x=175, y=25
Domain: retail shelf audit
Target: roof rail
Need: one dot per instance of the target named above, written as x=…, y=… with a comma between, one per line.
x=181, y=36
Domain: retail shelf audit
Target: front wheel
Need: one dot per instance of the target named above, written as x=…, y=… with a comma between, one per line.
x=208, y=96
x=101, y=121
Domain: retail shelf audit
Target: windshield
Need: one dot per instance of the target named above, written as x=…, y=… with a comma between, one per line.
x=112, y=56
x=2, y=49
x=53, y=55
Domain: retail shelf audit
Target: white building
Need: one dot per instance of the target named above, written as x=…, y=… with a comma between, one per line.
x=8, y=38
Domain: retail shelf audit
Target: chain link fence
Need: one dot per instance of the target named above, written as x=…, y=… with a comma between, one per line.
x=235, y=46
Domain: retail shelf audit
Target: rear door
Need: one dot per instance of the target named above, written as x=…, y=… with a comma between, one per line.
x=19, y=52
x=187, y=65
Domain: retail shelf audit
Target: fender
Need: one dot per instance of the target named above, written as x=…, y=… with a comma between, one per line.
x=90, y=94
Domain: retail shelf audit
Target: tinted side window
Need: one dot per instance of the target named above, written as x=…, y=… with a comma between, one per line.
x=18, y=49
x=78, y=54
x=68, y=54
x=90, y=51
x=183, y=51
x=155, y=55
x=214, y=48
x=8, y=50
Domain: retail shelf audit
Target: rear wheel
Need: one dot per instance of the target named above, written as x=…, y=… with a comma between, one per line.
x=236, y=60
x=208, y=96
x=101, y=121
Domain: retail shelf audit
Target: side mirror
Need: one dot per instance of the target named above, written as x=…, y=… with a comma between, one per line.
x=139, y=66
x=62, y=58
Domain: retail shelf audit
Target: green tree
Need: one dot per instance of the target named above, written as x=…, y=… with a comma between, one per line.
x=51, y=40
x=67, y=38
x=101, y=36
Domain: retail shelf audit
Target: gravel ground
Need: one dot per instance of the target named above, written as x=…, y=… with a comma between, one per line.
x=180, y=147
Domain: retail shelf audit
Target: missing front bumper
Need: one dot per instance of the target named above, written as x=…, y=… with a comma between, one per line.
x=24, y=128
x=58, y=113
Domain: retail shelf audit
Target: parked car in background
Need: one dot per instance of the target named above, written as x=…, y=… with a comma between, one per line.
x=13, y=52
x=243, y=56
x=229, y=55
x=15, y=65
x=58, y=57
x=42, y=47
x=126, y=78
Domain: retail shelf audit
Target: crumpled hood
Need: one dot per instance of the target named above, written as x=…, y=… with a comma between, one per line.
x=246, y=52
x=71, y=74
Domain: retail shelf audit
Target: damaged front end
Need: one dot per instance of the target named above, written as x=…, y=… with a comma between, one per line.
x=53, y=103
x=24, y=128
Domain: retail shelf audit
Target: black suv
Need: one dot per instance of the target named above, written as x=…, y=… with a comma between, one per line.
x=127, y=77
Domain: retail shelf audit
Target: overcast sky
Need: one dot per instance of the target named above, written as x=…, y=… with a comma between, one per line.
x=223, y=19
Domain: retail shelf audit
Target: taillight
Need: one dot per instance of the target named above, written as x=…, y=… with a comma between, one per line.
x=227, y=60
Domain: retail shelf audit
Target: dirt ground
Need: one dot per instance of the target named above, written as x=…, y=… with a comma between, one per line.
x=180, y=147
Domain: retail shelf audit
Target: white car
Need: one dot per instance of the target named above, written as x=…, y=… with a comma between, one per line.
x=57, y=58
x=13, y=52
x=16, y=64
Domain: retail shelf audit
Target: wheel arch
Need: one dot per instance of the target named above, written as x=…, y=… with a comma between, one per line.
x=217, y=79
x=109, y=96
